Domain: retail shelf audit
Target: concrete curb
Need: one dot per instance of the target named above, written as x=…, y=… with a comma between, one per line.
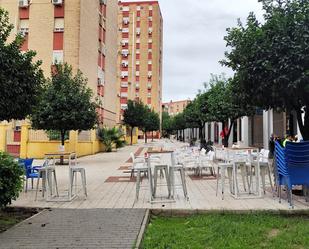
x=142, y=230
x=188, y=212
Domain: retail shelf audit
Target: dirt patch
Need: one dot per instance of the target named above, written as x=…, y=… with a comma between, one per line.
x=11, y=216
x=273, y=233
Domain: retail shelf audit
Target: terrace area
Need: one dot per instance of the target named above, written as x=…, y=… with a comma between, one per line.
x=109, y=185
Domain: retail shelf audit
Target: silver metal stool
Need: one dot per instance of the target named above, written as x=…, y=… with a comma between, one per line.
x=155, y=177
x=46, y=173
x=181, y=170
x=82, y=172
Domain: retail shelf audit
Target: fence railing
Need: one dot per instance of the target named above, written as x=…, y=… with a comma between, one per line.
x=9, y=136
x=84, y=136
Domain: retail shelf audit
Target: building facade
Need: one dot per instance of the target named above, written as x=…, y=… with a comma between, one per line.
x=82, y=33
x=175, y=107
x=140, y=54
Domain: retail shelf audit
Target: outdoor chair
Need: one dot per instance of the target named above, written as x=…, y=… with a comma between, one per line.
x=30, y=173
x=46, y=172
x=141, y=166
x=82, y=172
x=207, y=162
x=292, y=167
x=177, y=167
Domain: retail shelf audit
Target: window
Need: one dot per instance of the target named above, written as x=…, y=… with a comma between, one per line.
x=57, y=56
x=59, y=25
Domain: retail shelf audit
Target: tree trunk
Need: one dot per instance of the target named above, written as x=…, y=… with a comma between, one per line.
x=303, y=124
x=183, y=135
x=227, y=136
x=145, y=134
x=132, y=135
x=152, y=136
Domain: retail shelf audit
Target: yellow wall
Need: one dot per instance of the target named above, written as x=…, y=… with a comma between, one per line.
x=38, y=149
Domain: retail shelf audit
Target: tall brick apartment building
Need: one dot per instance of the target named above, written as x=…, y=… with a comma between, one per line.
x=82, y=33
x=140, y=54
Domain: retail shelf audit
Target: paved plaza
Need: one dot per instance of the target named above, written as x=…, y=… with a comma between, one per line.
x=76, y=228
x=109, y=186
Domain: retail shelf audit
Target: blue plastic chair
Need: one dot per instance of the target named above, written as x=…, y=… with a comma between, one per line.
x=30, y=172
x=292, y=166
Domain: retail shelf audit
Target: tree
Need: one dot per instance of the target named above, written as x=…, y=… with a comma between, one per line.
x=223, y=106
x=20, y=78
x=271, y=58
x=167, y=126
x=196, y=114
x=134, y=115
x=179, y=124
x=151, y=123
x=65, y=103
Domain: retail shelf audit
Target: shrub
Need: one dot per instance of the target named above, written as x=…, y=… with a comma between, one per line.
x=11, y=180
x=110, y=137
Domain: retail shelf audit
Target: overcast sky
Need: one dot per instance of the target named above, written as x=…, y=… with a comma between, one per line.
x=193, y=41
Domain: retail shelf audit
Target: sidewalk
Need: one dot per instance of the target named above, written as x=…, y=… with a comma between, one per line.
x=76, y=229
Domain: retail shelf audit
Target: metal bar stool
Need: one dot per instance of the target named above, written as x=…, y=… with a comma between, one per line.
x=161, y=168
x=46, y=173
x=82, y=171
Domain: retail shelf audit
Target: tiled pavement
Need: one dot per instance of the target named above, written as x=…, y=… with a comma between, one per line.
x=76, y=228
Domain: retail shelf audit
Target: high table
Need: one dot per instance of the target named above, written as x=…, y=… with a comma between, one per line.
x=170, y=176
x=72, y=161
x=245, y=155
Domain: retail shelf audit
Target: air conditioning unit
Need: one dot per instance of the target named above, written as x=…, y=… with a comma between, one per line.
x=59, y=30
x=137, y=86
x=103, y=2
x=23, y=3
x=150, y=31
x=150, y=18
x=57, y=2
x=124, y=64
x=100, y=82
x=24, y=30
x=149, y=76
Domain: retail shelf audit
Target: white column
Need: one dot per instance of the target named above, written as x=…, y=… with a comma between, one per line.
x=231, y=133
x=212, y=134
x=245, y=131
x=238, y=129
x=266, y=134
x=220, y=129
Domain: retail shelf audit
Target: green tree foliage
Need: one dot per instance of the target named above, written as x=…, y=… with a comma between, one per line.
x=179, y=124
x=65, y=103
x=167, y=125
x=134, y=115
x=196, y=113
x=222, y=104
x=151, y=122
x=271, y=58
x=11, y=180
x=110, y=137
x=20, y=78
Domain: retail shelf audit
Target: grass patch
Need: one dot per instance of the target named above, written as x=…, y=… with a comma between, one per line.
x=11, y=216
x=217, y=231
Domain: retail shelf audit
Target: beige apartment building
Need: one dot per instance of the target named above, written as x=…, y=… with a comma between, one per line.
x=140, y=54
x=82, y=33
x=175, y=107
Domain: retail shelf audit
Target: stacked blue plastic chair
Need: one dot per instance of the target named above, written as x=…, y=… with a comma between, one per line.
x=30, y=172
x=292, y=166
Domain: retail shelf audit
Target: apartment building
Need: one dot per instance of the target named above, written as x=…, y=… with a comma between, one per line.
x=175, y=107
x=82, y=33
x=140, y=54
